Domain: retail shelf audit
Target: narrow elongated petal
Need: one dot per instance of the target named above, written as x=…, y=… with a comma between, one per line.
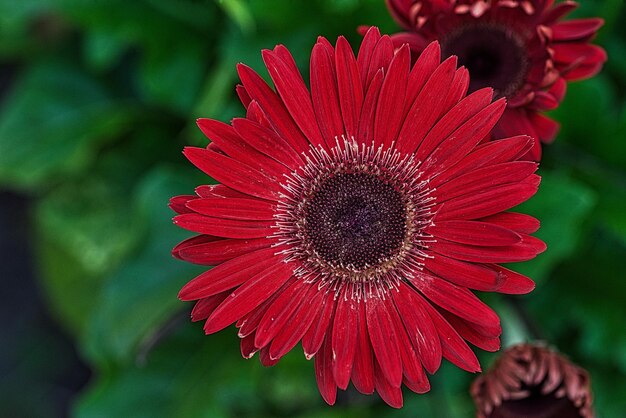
x=350, y=87
x=273, y=107
x=419, y=327
x=295, y=329
x=427, y=107
x=325, y=94
x=312, y=340
x=324, y=373
x=248, y=296
x=344, y=338
x=228, y=274
x=226, y=228
x=388, y=120
x=363, y=368
x=295, y=95
x=462, y=273
x=384, y=341
x=233, y=173
x=455, y=299
x=279, y=313
x=267, y=142
x=245, y=209
x=218, y=251
x=474, y=233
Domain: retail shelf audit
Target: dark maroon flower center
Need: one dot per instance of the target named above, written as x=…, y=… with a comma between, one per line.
x=537, y=405
x=355, y=220
x=494, y=55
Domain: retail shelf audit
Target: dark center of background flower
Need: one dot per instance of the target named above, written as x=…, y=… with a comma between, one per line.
x=355, y=220
x=537, y=405
x=495, y=57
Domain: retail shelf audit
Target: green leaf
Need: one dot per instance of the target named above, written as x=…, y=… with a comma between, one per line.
x=52, y=122
x=138, y=298
x=561, y=205
x=171, y=76
x=191, y=375
x=239, y=12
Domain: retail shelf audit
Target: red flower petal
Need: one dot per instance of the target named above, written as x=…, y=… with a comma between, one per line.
x=454, y=348
x=325, y=94
x=392, y=395
x=228, y=274
x=179, y=203
x=474, y=233
x=455, y=299
x=247, y=347
x=388, y=119
x=350, y=87
x=244, y=97
x=484, y=179
x=248, y=323
x=248, y=296
x=251, y=209
x=312, y=340
x=575, y=29
x=205, y=307
x=234, y=173
x=368, y=111
x=302, y=319
x=461, y=273
x=268, y=142
x=344, y=337
x=273, y=107
x=469, y=333
x=218, y=251
x=489, y=202
x=518, y=222
x=419, y=326
x=545, y=127
x=452, y=120
x=490, y=153
x=411, y=364
x=280, y=312
x=226, y=228
x=382, y=56
x=421, y=72
x=384, y=340
x=218, y=190
x=460, y=85
x=366, y=51
x=235, y=147
x=294, y=95
x=513, y=283
x=427, y=108
x=324, y=373
x=485, y=254
x=363, y=368
x=464, y=139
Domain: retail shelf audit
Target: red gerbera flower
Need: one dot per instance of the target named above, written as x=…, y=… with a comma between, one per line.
x=521, y=48
x=356, y=216
x=532, y=381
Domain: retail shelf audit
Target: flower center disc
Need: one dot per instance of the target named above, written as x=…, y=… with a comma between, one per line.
x=355, y=221
x=495, y=57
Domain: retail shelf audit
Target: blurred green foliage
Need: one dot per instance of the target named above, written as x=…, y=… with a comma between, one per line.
x=104, y=97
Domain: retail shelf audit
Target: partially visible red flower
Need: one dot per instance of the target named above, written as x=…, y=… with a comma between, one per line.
x=355, y=216
x=521, y=48
x=532, y=381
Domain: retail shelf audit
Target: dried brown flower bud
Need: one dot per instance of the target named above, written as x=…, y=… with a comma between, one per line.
x=532, y=381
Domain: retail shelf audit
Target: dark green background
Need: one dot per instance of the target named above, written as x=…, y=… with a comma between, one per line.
x=100, y=96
